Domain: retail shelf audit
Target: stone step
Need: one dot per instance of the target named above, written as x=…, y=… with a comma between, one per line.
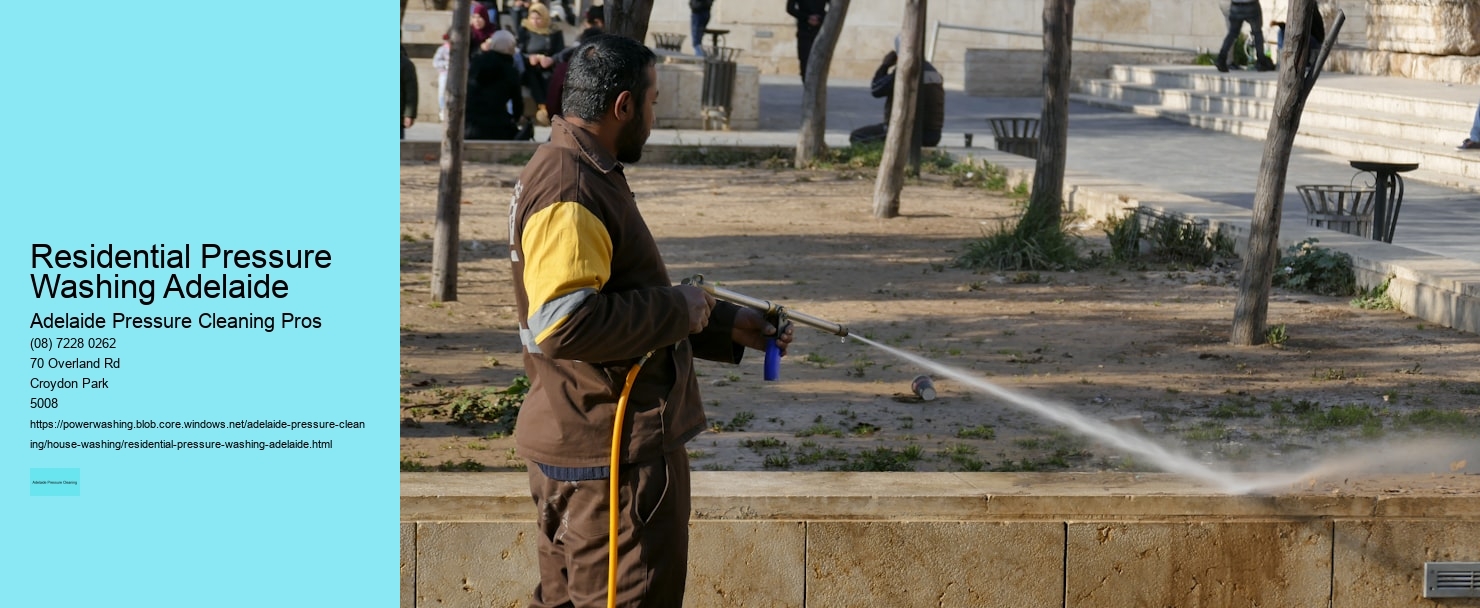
x=1343, y=116
x=1376, y=125
x=1419, y=99
x=1439, y=164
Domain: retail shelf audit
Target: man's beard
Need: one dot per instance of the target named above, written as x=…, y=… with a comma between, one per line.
x=631, y=138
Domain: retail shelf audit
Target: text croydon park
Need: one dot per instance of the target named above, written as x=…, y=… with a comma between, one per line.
x=161, y=257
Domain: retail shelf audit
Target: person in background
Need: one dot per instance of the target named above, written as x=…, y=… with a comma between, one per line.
x=515, y=12
x=809, y=15
x=539, y=44
x=698, y=22
x=930, y=102
x=494, y=98
x=599, y=317
x=1473, y=142
x=408, y=92
x=482, y=28
x=562, y=65
x=1239, y=13
x=596, y=17
x=442, y=61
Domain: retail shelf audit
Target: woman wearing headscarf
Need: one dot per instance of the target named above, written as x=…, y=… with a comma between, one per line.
x=539, y=43
x=482, y=28
x=494, y=99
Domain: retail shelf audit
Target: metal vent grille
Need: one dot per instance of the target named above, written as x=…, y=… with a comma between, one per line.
x=1451, y=579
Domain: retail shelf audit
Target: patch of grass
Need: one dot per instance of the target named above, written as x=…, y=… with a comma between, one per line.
x=885, y=459
x=1124, y=233
x=967, y=174
x=1061, y=458
x=1375, y=298
x=739, y=422
x=777, y=461
x=1006, y=248
x=809, y=455
x=818, y=359
x=468, y=465
x=726, y=156
x=1432, y=419
x=860, y=156
x=1207, y=430
x=860, y=365
x=864, y=429
x=1330, y=373
x=980, y=431
x=1341, y=416
x=1306, y=267
x=1235, y=408
x=1276, y=335
x=819, y=429
x=498, y=408
x=964, y=456
x=766, y=443
x=411, y=466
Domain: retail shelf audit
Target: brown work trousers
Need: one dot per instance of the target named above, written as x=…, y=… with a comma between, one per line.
x=653, y=533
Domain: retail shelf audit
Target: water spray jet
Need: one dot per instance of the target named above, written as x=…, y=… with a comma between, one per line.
x=1108, y=432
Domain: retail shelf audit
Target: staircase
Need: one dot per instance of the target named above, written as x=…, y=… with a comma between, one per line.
x=1346, y=116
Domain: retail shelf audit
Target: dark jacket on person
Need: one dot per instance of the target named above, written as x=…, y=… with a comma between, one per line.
x=593, y=296
x=930, y=101
x=800, y=9
x=493, y=83
x=408, y=86
x=700, y=6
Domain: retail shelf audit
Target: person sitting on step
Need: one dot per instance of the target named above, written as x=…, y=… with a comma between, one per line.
x=1473, y=142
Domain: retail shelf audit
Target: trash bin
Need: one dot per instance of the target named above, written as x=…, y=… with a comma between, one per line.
x=1016, y=135
x=719, y=85
x=668, y=41
x=1338, y=207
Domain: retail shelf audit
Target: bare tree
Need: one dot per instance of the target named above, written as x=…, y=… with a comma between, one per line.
x=628, y=18
x=810, y=141
x=1046, y=203
x=449, y=188
x=1295, y=83
x=902, y=113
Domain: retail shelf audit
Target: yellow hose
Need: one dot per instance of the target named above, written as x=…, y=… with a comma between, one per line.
x=613, y=504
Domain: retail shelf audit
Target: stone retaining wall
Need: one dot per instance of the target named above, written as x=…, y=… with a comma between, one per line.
x=981, y=540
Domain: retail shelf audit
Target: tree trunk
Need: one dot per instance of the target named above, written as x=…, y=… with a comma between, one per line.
x=1046, y=203
x=628, y=18
x=811, y=141
x=449, y=188
x=902, y=113
x=1252, y=309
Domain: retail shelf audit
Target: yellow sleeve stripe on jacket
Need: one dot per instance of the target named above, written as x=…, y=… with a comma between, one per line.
x=567, y=258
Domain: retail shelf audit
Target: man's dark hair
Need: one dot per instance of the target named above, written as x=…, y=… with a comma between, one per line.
x=602, y=68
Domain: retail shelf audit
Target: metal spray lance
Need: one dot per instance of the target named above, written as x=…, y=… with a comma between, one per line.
x=775, y=314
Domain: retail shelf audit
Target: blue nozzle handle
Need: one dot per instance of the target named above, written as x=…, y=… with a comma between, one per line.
x=773, y=360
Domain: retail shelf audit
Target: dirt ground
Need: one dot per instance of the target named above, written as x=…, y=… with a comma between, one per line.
x=1143, y=349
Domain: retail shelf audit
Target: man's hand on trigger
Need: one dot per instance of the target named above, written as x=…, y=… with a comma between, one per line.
x=699, y=304
x=751, y=330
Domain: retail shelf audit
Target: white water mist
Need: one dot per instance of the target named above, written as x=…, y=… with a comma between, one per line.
x=1155, y=454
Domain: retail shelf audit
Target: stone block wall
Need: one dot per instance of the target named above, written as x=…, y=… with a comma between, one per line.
x=980, y=540
x=1430, y=27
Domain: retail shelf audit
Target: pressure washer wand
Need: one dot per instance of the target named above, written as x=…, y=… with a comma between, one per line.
x=777, y=314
